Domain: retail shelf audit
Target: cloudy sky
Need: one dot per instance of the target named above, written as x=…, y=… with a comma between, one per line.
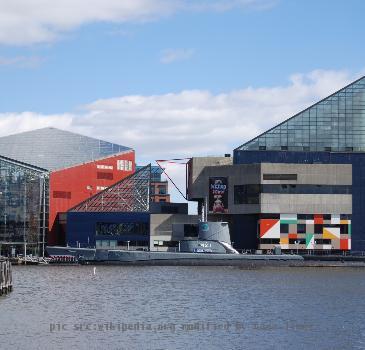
x=172, y=78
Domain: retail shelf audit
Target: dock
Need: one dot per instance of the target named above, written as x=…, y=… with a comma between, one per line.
x=6, y=279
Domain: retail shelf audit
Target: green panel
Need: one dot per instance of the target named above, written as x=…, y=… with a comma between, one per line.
x=288, y=221
x=308, y=238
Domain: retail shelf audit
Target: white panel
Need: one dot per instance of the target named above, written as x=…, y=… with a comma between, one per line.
x=274, y=232
x=335, y=219
x=288, y=216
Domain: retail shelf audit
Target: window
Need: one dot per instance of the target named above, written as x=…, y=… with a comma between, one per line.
x=125, y=165
x=62, y=194
x=247, y=194
x=305, y=189
x=119, y=229
x=105, y=167
x=104, y=176
x=280, y=176
x=191, y=230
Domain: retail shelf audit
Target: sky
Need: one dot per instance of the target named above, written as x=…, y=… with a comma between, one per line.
x=173, y=78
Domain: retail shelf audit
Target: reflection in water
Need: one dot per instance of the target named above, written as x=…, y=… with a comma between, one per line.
x=58, y=307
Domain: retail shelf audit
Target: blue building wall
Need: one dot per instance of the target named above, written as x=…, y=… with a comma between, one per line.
x=358, y=178
x=81, y=226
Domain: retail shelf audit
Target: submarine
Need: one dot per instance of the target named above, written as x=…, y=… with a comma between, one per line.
x=212, y=247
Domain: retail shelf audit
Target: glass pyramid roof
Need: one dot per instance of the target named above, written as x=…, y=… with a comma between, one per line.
x=52, y=148
x=335, y=124
x=131, y=194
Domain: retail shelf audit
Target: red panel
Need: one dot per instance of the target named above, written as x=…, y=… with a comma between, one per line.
x=318, y=219
x=292, y=236
x=81, y=182
x=344, y=244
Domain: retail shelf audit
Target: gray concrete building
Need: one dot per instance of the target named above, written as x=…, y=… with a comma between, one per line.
x=296, y=206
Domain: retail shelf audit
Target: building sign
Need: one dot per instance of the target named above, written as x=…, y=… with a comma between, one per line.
x=218, y=195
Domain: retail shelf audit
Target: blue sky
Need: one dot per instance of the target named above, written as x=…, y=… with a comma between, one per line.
x=229, y=50
x=173, y=78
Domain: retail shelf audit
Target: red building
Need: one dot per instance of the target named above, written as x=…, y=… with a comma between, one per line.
x=55, y=170
x=72, y=185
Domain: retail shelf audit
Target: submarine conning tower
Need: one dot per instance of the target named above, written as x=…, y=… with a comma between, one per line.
x=214, y=231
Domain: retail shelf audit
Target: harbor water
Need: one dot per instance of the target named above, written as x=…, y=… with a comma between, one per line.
x=119, y=307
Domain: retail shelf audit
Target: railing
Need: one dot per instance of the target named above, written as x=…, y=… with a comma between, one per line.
x=6, y=280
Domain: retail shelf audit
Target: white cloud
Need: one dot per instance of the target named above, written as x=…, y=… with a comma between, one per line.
x=189, y=123
x=24, y=22
x=173, y=55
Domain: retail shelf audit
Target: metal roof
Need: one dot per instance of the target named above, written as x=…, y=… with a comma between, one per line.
x=51, y=148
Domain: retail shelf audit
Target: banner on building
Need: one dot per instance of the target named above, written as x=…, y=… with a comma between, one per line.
x=218, y=195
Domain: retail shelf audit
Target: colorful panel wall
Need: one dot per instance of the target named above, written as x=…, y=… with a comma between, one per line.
x=306, y=231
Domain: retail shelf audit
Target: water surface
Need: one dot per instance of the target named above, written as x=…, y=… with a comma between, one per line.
x=66, y=307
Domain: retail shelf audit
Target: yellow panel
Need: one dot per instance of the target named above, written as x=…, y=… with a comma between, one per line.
x=328, y=235
x=284, y=240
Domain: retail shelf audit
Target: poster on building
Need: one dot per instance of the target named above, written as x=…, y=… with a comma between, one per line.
x=218, y=195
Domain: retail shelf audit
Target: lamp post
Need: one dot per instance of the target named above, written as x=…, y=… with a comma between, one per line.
x=297, y=244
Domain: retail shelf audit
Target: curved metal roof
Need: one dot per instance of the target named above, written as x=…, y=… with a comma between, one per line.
x=51, y=148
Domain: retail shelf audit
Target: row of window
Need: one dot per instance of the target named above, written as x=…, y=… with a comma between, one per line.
x=125, y=228
x=250, y=194
x=318, y=228
x=297, y=241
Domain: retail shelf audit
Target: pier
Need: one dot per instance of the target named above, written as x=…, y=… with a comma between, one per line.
x=6, y=280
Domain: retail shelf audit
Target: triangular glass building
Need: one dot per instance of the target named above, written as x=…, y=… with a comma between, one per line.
x=335, y=124
x=131, y=194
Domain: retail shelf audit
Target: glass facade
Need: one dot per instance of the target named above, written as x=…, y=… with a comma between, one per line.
x=23, y=207
x=335, y=124
x=131, y=194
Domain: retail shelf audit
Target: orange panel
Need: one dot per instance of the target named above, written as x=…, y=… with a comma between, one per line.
x=318, y=219
x=344, y=245
x=266, y=224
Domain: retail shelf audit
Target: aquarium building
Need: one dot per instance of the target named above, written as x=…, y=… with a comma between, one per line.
x=300, y=185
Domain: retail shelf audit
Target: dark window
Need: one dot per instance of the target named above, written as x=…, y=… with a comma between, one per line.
x=62, y=194
x=169, y=209
x=270, y=216
x=344, y=229
x=306, y=189
x=297, y=241
x=323, y=241
x=191, y=230
x=301, y=228
x=280, y=176
x=305, y=216
x=124, y=228
x=106, y=176
x=284, y=228
x=318, y=228
x=247, y=194
x=270, y=241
